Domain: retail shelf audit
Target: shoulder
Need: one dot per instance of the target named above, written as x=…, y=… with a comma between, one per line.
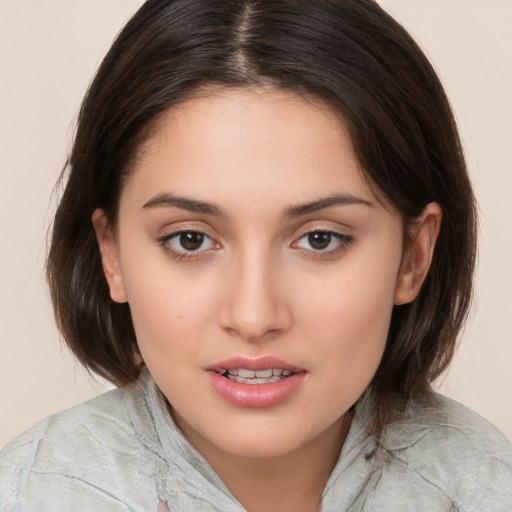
x=86, y=425
x=81, y=451
x=455, y=451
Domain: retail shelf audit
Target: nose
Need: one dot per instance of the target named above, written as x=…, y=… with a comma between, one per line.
x=255, y=305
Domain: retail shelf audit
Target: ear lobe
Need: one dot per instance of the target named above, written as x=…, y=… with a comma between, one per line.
x=418, y=255
x=109, y=256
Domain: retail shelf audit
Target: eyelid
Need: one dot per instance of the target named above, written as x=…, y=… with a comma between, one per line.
x=344, y=241
x=185, y=255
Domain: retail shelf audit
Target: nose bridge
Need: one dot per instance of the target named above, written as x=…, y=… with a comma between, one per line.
x=254, y=304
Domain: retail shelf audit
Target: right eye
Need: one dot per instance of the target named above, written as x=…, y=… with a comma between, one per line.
x=187, y=243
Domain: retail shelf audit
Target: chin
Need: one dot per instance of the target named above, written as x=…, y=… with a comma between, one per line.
x=263, y=436
x=258, y=445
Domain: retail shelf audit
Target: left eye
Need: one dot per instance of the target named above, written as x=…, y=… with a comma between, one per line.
x=189, y=241
x=322, y=241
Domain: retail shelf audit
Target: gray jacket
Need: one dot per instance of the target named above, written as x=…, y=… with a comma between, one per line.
x=122, y=452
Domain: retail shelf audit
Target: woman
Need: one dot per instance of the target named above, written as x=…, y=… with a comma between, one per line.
x=267, y=241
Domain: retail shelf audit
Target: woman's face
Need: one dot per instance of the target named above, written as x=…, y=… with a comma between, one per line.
x=248, y=242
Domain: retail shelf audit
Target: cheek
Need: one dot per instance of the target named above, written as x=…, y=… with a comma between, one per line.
x=356, y=329
x=350, y=301
x=167, y=308
x=166, y=324
x=349, y=317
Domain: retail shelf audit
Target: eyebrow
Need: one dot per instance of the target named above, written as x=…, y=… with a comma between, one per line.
x=323, y=203
x=166, y=200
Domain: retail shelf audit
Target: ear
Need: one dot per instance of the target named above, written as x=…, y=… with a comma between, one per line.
x=418, y=254
x=109, y=255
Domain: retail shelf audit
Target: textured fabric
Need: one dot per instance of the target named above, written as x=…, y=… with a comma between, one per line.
x=122, y=452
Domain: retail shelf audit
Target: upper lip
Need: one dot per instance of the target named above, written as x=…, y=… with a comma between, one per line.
x=255, y=364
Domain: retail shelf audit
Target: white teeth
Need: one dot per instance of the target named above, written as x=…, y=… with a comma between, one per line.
x=248, y=374
x=263, y=373
x=242, y=380
x=245, y=376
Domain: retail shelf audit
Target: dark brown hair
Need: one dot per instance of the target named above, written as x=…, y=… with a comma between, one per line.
x=348, y=53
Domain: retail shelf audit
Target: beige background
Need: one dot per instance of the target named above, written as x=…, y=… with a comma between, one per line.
x=49, y=50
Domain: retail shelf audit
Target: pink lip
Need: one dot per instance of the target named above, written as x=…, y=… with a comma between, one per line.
x=261, y=363
x=255, y=395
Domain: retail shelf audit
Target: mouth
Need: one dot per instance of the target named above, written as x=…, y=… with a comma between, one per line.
x=247, y=376
x=255, y=383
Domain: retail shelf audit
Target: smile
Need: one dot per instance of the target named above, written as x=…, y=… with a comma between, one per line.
x=245, y=376
x=255, y=383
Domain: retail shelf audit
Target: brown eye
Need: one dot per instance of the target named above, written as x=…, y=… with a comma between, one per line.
x=187, y=242
x=319, y=240
x=323, y=242
x=191, y=240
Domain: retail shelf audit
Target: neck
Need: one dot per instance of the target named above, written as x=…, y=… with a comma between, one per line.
x=290, y=482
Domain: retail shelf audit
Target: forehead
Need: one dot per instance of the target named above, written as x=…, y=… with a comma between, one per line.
x=250, y=144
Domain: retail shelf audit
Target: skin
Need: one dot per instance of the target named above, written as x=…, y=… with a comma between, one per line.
x=257, y=286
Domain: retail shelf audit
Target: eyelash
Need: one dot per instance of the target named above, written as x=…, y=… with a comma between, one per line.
x=184, y=255
x=192, y=255
x=343, y=242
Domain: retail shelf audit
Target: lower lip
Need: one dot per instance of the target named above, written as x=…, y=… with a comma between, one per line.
x=255, y=395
